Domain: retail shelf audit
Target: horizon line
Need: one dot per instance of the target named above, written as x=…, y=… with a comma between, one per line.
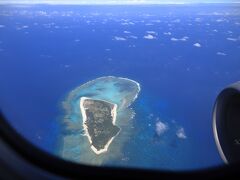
x=114, y=3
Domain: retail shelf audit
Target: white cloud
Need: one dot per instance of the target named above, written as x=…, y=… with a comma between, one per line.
x=150, y=116
x=174, y=39
x=151, y=32
x=216, y=13
x=167, y=33
x=22, y=27
x=133, y=37
x=117, y=38
x=25, y=27
x=124, y=23
x=181, y=133
x=42, y=13
x=185, y=38
x=132, y=46
x=197, y=45
x=220, y=20
x=156, y=21
x=161, y=128
x=221, y=54
x=127, y=23
x=127, y=32
x=198, y=19
x=149, y=36
x=67, y=66
x=233, y=39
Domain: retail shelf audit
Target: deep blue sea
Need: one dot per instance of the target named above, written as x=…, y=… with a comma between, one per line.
x=182, y=56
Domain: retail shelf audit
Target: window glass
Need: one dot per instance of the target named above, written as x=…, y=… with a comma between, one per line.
x=127, y=85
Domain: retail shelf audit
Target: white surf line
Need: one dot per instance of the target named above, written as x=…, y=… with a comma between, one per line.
x=138, y=85
x=122, y=78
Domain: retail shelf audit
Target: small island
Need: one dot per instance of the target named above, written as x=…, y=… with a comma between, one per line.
x=99, y=118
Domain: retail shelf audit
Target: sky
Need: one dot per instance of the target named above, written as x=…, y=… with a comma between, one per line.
x=115, y=1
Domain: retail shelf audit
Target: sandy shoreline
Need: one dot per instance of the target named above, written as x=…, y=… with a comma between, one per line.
x=84, y=117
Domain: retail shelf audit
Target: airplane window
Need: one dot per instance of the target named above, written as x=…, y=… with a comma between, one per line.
x=122, y=85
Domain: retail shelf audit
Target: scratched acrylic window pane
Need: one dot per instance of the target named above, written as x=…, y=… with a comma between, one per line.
x=124, y=85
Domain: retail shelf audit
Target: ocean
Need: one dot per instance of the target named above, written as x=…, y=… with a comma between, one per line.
x=181, y=55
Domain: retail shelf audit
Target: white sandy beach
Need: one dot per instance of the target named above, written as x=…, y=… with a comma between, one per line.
x=84, y=117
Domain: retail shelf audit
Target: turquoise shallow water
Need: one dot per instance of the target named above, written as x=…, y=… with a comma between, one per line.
x=75, y=145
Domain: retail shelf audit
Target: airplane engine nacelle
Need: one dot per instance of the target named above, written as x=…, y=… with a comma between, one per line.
x=226, y=123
